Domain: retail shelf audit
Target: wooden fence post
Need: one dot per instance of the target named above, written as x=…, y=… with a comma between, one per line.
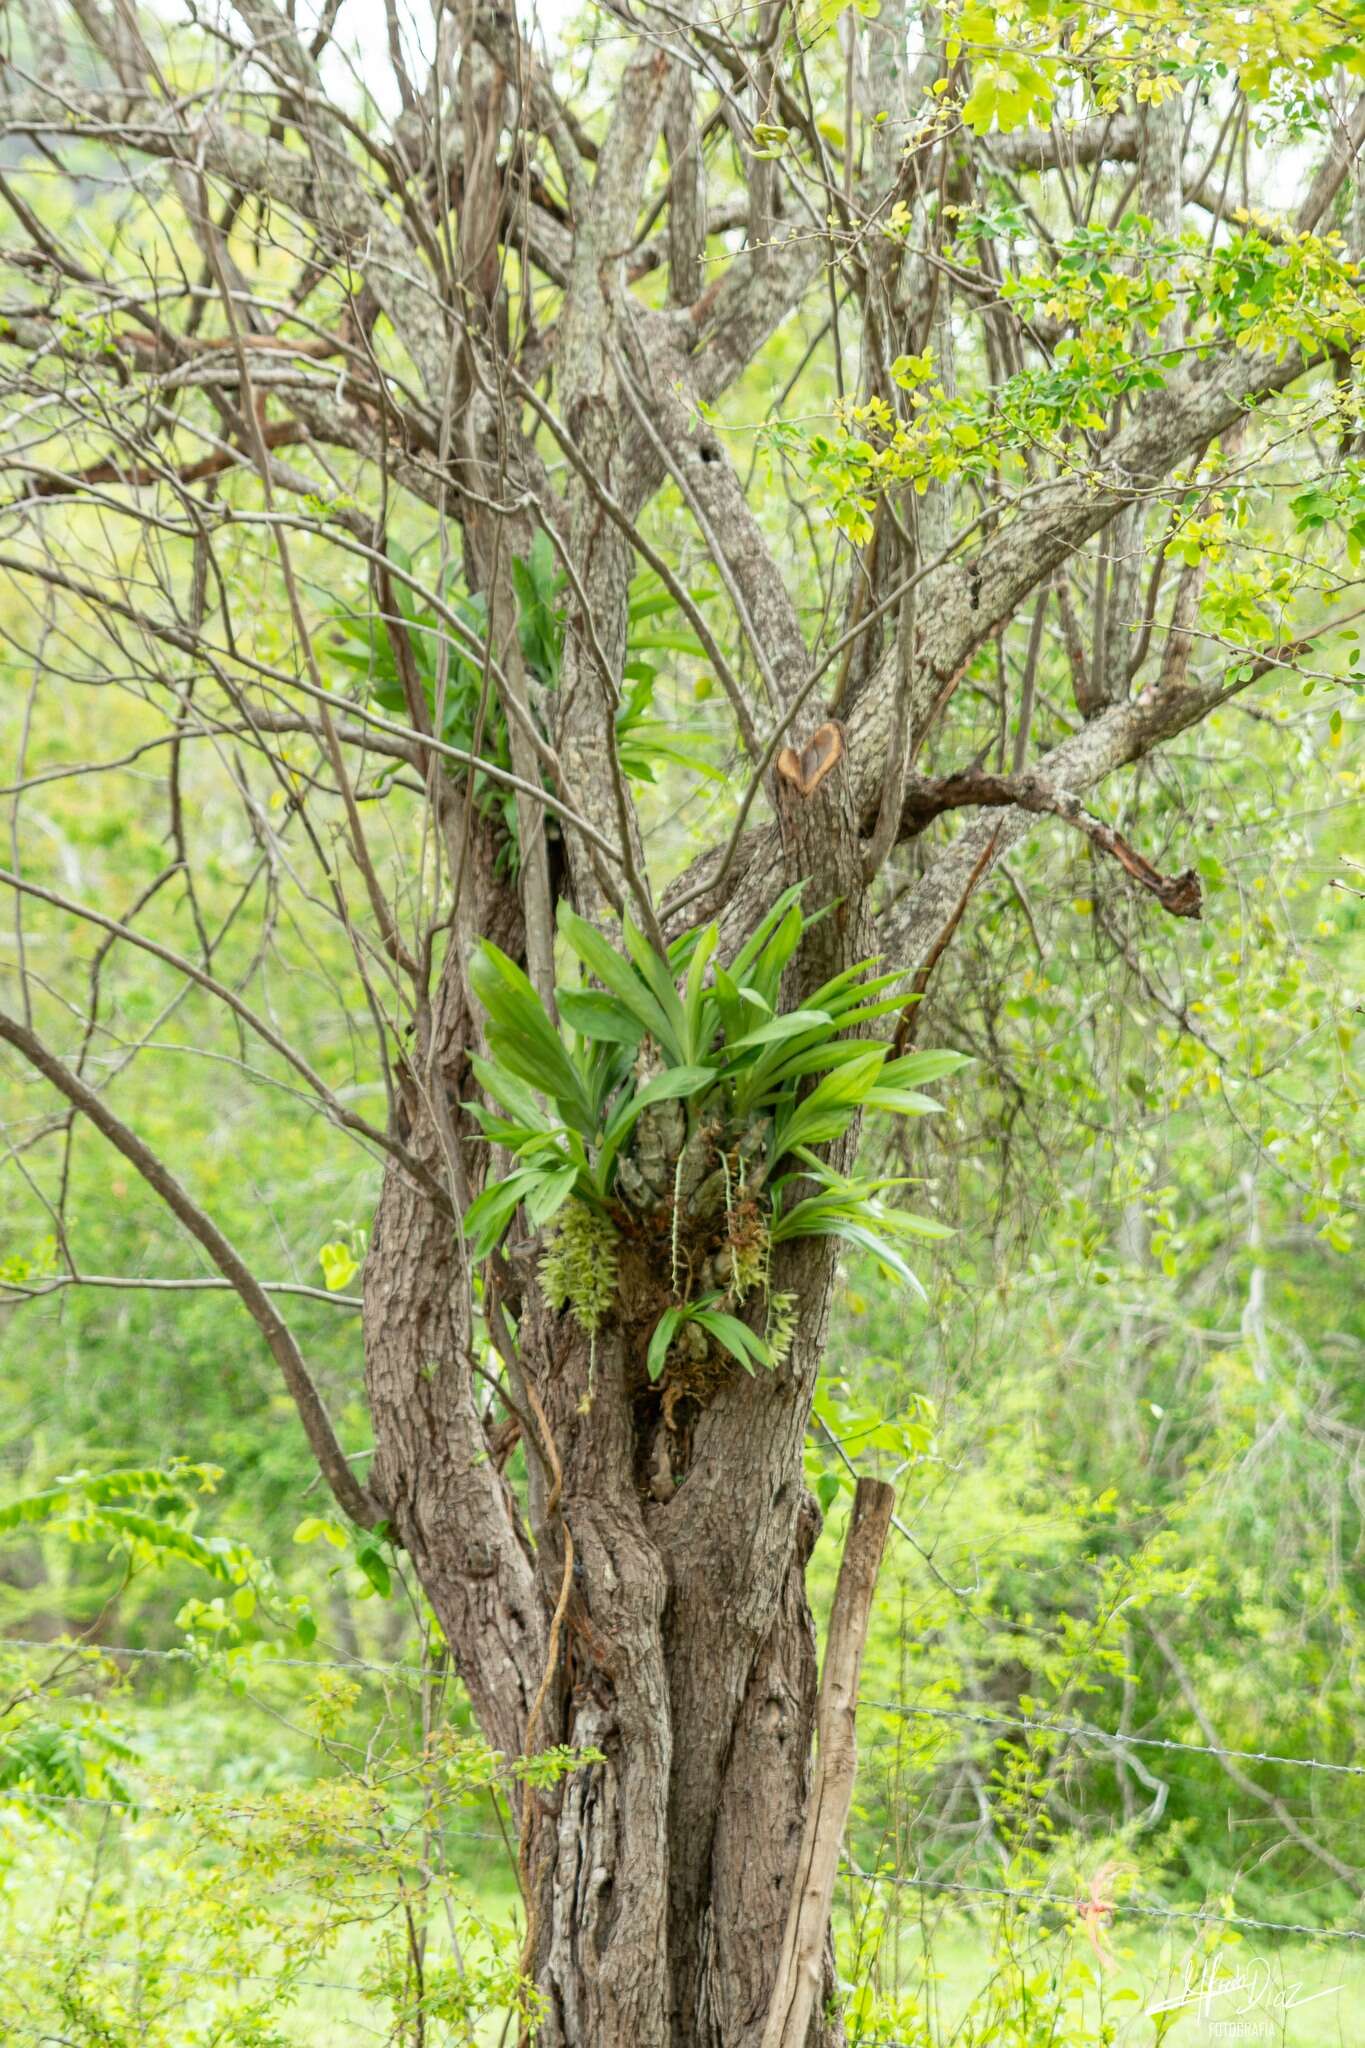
x=817, y=1864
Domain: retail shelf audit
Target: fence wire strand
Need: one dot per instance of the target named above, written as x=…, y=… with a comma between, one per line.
x=990, y=1718
x=1191, y=1913
x=985, y=1717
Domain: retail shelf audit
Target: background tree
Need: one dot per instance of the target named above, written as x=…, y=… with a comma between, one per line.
x=411, y=471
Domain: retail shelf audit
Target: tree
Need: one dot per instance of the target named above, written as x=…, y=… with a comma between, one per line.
x=392, y=464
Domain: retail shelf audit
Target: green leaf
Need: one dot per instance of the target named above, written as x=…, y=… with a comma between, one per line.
x=657, y=974
x=791, y=1024
x=520, y=1035
x=499, y=1131
x=912, y=1225
x=549, y=1197
x=694, y=998
x=852, y=985
x=80, y=1492
x=826, y=1113
x=735, y=1337
x=867, y=1013
x=914, y=1067
x=903, y=1102
x=758, y=939
x=375, y=1570
x=603, y=1018
x=158, y=1537
x=813, y=1059
x=868, y=1241
x=339, y=1268
x=513, y=1095
x=664, y=1330
x=488, y=1216
x=617, y=975
x=767, y=970
x=646, y=743
x=736, y=1004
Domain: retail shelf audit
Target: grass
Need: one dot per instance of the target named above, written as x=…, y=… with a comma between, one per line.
x=1296, y=1995
x=1287, y=1995
x=944, y=1977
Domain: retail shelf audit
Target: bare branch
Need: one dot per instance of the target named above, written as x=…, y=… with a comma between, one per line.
x=356, y=1501
x=927, y=798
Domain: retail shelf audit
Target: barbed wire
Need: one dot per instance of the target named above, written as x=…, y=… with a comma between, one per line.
x=195, y=1661
x=1190, y=1913
x=1034, y=1724
x=37, y=1955
x=958, y=1887
x=133, y=1808
x=989, y=1717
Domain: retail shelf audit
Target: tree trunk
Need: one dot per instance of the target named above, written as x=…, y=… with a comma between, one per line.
x=678, y=1643
x=658, y=1613
x=659, y=1880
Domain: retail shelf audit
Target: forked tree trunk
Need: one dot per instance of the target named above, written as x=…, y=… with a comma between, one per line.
x=678, y=1643
x=659, y=1881
x=657, y=1614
